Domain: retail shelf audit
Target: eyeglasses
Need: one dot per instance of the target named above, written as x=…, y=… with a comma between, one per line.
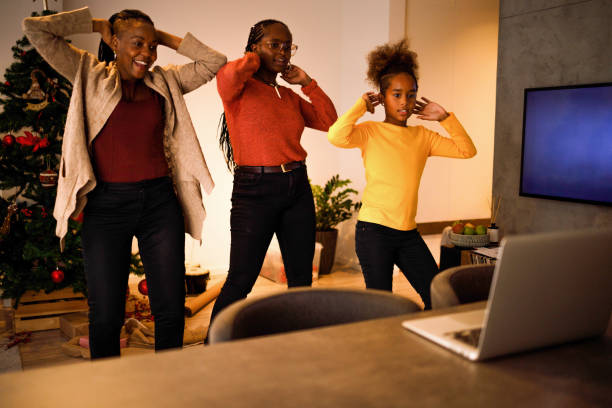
x=282, y=46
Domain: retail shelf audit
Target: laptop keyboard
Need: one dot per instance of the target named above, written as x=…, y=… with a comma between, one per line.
x=470, y=337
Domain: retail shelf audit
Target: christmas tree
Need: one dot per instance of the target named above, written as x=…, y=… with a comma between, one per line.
x=35, y=100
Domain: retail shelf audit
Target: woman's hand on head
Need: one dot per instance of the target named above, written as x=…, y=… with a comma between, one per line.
x=99, y=25
x=167, y=39
x=296, y=75
x=429, y=110
x=372, y=99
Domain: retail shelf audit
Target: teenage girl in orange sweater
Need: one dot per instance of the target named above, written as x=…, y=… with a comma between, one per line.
x=261, y=139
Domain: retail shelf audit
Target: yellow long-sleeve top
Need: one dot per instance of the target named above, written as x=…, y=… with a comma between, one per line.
x=394, y=158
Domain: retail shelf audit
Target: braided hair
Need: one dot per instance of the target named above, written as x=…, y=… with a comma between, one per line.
x=390, y=59
x=255, y=34
x=105, y=52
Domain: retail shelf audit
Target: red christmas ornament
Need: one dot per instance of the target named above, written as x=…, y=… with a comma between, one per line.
x=57, y=276
x=78, y=218
x=142, y=287
x=8, y=140
x=48, y=178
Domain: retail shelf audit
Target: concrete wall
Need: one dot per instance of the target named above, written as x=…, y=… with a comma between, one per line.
x=544, y=43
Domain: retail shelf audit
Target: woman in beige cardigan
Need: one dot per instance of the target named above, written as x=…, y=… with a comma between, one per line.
x=131, y=162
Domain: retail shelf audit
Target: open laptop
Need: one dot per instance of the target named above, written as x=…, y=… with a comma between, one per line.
x=547, y=289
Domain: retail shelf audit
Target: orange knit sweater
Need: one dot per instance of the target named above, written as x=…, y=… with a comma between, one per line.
x=265, y=130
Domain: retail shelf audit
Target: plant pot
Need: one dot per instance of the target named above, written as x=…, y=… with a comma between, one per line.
x=328, y=240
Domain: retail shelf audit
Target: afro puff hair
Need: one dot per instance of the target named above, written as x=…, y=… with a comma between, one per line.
x=391, y=59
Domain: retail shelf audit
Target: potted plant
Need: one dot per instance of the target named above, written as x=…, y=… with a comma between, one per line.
x=332, y=205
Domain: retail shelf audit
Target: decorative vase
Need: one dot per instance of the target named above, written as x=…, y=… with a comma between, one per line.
x=328, y=240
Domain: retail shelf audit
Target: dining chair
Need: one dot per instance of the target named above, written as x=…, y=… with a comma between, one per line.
x=461, y=284
x=304, y=308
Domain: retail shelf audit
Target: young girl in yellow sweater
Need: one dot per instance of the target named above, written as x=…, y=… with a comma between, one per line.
x=394, y=157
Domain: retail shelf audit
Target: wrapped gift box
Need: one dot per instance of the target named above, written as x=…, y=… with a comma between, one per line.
x=274, y=269
x=74, y=324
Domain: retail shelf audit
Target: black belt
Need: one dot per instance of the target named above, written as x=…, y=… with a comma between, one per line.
x=283, y=168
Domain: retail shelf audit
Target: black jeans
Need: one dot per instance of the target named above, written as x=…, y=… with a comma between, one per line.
x=264, y=204
x=379, y=248
x=116, y=212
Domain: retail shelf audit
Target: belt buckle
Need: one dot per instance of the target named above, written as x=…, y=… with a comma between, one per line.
x=282, y=166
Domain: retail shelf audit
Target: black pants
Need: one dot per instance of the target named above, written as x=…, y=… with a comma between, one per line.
x=115, y=213
x=379, y=248
x=264, y=204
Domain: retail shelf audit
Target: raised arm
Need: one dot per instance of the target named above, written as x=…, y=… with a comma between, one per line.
x=345, y=133
x=47, y=33
x=460, y=144
x=233, y=76
x=206, y=61
x=320, y=112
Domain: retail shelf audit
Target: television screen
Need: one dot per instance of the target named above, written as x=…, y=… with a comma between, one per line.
x=567, y=143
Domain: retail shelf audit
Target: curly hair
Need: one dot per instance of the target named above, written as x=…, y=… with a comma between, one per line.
x=390, y=59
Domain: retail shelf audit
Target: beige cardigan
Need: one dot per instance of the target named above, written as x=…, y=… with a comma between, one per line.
x=97, y=91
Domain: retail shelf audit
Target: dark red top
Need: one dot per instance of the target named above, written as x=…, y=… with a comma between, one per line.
x=130, y=146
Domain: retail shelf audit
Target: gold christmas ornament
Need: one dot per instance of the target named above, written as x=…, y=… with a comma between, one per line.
x=6, y=224
x=37, y=106
x=35, y=91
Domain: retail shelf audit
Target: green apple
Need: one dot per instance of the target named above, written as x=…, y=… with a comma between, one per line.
x=468, y=230
x=481, y=230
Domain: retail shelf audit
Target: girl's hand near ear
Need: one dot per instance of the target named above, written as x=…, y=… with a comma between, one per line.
x=429, y=110
x=372, y=99
x=99, y=25
x=296, y=75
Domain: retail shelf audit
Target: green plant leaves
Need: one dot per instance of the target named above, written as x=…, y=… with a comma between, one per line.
x=333, y=203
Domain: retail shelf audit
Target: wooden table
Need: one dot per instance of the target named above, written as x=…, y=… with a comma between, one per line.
x=369, y=364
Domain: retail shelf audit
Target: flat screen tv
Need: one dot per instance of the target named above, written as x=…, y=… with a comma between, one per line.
x=567, y=143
